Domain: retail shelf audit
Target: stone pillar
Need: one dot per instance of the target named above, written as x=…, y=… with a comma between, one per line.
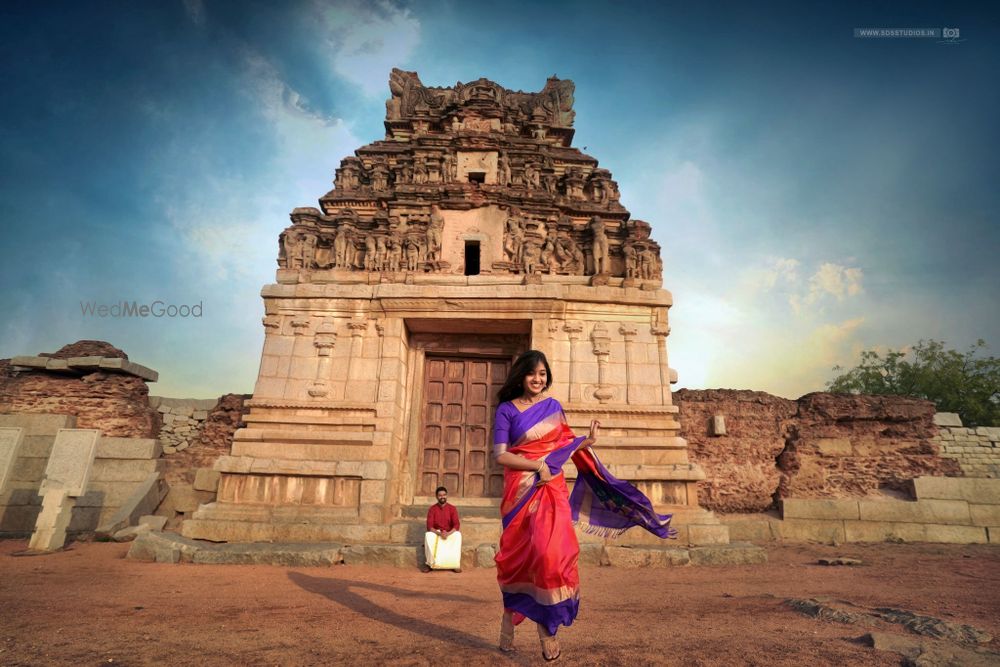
x=602, y=350
x=324, y=341
x=628, y=332
x=660, y=329
x=573, y=330
x=357, y=328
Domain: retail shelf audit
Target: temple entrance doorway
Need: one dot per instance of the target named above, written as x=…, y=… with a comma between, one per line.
x=460, y=376
x=456, y=444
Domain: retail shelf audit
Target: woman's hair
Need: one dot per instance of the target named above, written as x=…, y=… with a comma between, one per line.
x=523, y=366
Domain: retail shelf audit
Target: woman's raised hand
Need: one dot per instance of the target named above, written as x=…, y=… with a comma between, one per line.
x=594, y=426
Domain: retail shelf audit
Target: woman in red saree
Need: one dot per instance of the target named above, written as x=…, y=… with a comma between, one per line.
x=537, y=561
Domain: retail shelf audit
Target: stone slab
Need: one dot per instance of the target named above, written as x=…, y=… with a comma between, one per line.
x=38, y=424
x=53, y=521
x=947, y=419
x=385, y=555
x=826, y=509
x=154, y=522
x=956, y=534
x=159, y=547
x=142, y=501
x=980, y=491
x=985, y=515
x=643, y=557
x=812, y=530
x=755, y=528
x=286, y=555
x=126, y=470
x=128, y=448
x=737, y=553
x=920, y=511
x=71, y=460
x=884, y=531
x=11, y=439
x=206, y=479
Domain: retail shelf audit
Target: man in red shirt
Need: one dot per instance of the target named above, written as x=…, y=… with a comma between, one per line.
x=442, y=542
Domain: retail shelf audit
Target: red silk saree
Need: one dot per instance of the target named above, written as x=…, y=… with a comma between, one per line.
x=537, y=561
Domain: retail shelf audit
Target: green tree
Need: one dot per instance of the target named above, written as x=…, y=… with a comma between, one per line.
x=968, y=384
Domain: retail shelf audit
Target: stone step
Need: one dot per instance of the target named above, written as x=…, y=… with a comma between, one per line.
x=172, y=548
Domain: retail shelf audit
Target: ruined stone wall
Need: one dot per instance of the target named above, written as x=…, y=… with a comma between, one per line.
x=977, y=450
x=208, y=432
x=820, y=446
x=117, y=403
x=741, y=475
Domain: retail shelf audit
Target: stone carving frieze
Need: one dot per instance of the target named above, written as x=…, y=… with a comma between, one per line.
x=473, y=145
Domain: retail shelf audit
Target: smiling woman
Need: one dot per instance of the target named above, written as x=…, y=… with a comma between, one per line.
x=537, y=561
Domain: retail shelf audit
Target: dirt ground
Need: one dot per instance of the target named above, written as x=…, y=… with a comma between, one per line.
x=88, y=606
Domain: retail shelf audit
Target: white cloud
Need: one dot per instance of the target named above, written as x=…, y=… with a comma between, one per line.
x=368, y=39
x=830, y=279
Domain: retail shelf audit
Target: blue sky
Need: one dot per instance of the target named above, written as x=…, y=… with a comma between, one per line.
x=815, y=194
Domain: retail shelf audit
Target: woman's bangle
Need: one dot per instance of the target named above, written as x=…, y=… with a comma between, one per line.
x=540, y=467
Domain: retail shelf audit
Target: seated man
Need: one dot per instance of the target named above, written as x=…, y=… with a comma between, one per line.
x=442, y=542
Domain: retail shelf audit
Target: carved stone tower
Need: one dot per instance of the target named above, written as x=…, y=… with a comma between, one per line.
x=473, y=232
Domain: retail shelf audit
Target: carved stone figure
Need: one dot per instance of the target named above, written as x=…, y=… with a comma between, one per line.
x=380, y=177
x=532, y=256
x=341, y=249
x=631, y=261
x=381, y=254
x=395, y=247
x=448, y=174
x=308, y=251
x=370, y=249
x=551, y=182
x=412, y=254
x=513, y=236
x=531, y=176
x=549, y=249
x=503, y=170
x=419, y=171
x=290, y=241
x=599, y=246
x=434, y=231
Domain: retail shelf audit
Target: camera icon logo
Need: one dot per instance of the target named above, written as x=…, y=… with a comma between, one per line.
x=949, y=33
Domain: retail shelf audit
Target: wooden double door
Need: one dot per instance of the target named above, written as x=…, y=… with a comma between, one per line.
x=456, y=449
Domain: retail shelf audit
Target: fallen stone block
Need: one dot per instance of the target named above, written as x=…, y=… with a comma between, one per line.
x=392, y=555
x=129, y=533
x=144, y=499
x=153, y=522
x=736, y=553
x=287, y=555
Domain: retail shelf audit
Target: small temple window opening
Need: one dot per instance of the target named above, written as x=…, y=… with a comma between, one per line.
x=477, y=177
x=472, y=258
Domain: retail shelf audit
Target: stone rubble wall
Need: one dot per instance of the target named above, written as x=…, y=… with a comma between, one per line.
x=977, y=450
x=820, y=446
x=196, y=432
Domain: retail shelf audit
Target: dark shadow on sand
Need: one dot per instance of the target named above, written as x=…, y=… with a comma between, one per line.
x=343, y=592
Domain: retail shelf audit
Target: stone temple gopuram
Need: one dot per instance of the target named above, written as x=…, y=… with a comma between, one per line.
x=472, y=232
